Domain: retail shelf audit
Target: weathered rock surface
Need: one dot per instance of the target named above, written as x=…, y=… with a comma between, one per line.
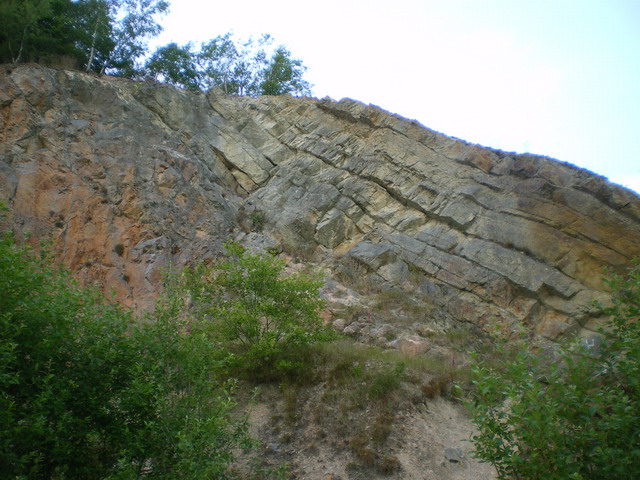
x=130, y=177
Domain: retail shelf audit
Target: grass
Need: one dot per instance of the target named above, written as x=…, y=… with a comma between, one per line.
x=355, y=275
x=438, y=386
x=258, y=219
x=355, y=394
x=459, y=339
x=390, y=301
x=398, y=305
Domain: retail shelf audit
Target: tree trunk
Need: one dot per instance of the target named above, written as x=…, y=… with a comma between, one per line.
x=17, y=59
x=93, y=45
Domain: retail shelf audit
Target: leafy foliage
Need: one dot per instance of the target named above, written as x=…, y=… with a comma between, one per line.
x=283, y=74
x=102, y=35
x=234, y=68
x=260, y=316
x=134, y=23
x=573, y=417
x=88, y=392
x=175, y=65
x=111, y=36
x=35, y=30
x=237, y=68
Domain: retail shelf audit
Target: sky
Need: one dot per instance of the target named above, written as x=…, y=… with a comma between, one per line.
x=559, y=78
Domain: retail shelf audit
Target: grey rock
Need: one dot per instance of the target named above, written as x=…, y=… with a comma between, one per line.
x=333, y=229
x=259, y=243
x=454, y=454
x=339, y=324
x=489, y=236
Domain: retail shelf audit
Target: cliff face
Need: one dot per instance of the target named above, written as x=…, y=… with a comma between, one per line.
x=129, y=177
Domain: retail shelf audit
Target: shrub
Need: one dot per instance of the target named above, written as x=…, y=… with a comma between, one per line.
x=86, y=391
x=118, y=249
x=574, y=417
x=439, y=385
x=264, y=319
x=258, y=219
x=389, y=465
x=386, y=382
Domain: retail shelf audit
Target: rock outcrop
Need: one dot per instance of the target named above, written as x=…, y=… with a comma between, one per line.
x=129, y=177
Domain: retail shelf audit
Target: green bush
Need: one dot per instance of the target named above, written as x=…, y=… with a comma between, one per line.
x=576, y=416
x=258, y=219
x=386, y=381
x=265, y=320
x=86, y=391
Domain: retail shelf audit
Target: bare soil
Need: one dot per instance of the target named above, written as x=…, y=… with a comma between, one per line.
x=317, y=442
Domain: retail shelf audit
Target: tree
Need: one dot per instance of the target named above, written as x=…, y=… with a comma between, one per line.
x=234, y=68
x=284, y=74
x=134, y=24
x=111, y=36
x=175, y=65
x=94, y=29
x=238, y=68
x=88, y=391
x=102, y=35
x=574, y=417
x=18, y=20
x=115, y=33
x=36, y=30
x=248, y=68
x=216, y=60
x=260, y=316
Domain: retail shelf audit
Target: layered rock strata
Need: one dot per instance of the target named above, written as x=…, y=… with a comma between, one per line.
x=131, y=177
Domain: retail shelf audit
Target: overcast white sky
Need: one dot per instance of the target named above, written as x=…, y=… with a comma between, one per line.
x=553, y=77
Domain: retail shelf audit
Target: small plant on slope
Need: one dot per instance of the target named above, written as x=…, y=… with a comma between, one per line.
x=263, y=318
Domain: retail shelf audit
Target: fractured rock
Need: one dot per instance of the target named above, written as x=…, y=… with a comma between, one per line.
x=131, y=177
